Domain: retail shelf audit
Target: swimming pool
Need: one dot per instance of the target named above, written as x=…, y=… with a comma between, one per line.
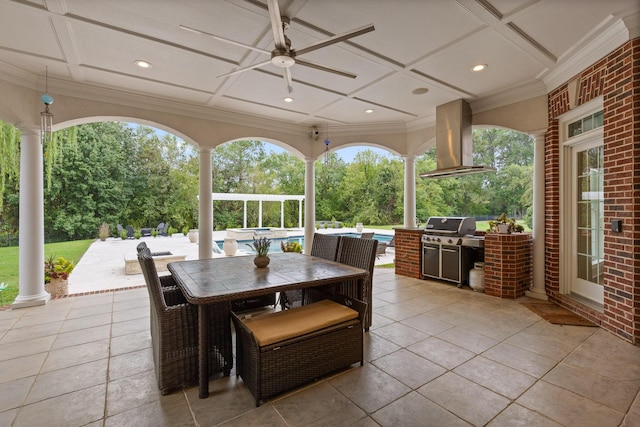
x=275, y=243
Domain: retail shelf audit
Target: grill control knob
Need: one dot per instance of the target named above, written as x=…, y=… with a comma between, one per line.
x=438, y=239
x=450, y=241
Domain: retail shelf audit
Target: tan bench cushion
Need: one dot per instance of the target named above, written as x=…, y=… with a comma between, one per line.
x=275, y=327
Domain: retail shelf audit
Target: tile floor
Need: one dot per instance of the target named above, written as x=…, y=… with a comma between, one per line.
x=435, y=356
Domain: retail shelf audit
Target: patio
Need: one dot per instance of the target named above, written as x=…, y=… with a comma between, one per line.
x=436, y=355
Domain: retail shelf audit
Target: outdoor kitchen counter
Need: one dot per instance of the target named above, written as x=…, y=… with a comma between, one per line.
x=409, y=251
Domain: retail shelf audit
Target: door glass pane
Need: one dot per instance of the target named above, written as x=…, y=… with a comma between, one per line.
x=590, y=215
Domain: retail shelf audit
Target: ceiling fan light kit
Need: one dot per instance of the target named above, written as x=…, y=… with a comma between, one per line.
x=283, y=56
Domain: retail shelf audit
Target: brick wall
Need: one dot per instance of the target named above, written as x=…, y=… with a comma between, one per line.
x=408, y=252
x=508, y=264
x=617, y=79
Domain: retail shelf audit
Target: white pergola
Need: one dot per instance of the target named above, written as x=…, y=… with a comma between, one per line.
x=261, y=198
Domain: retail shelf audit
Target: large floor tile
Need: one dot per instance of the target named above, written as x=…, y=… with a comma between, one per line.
x=441, y=352
x=401, y=335
x=516, y=415
x=408, y=367
x=467, y=339
x=520, y=359
x=369, y=387
x=414, y=410
x=568, y=408
x=495, y=376
x=167, y=412
x=468, y=400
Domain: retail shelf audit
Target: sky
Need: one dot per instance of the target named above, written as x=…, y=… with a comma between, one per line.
x=346, y=154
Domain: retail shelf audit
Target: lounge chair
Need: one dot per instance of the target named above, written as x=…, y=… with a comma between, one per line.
x=162, y=229
x=366, y=235
x=382, y=247
x=130, y=232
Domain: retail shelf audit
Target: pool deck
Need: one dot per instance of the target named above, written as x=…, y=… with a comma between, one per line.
x=102, y=267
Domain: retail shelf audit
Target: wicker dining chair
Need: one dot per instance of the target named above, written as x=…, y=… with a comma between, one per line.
x=166, y=281
x=174, y=332
x=359, y=253
x=323, y=246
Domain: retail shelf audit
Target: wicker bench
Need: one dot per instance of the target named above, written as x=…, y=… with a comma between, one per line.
x=278, y=351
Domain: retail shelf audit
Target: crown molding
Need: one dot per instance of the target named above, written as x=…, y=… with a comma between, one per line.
x=508, y=96
x=609, y=35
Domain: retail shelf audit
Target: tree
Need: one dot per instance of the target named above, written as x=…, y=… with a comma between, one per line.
x=9, y=157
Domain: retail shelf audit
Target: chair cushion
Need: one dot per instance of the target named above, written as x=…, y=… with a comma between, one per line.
x=275, y=327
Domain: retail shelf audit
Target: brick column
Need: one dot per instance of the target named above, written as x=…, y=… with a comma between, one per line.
x=508, y=264
x=408, y=252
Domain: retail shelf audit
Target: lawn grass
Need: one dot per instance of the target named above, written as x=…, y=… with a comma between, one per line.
x=9, y=274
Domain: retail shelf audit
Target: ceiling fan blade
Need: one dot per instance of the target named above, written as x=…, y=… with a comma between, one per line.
x=276, y=24
x=222, y=39
x=323, y=68
x=286, y=73
x=335, y=39
x=242, y=70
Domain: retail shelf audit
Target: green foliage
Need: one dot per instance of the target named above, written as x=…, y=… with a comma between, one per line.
x=291, y=246
x=123, y=234
x=9, y=272
x=171, y=231
x=137, y=234
x=103, y=231
x=9, y=158
x=260, y=246
x=154, y=232
x=57, y=268
x=109, y=172
x=185, y=230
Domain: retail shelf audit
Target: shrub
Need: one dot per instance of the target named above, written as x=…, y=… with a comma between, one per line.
x=103, y=231
x=59, y=268
x=137, y=234
x=123, y=234
x=171, y=231
x=154, y=232
x=185, y=230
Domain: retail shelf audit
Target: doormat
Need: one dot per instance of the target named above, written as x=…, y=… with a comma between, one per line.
x=557, y=315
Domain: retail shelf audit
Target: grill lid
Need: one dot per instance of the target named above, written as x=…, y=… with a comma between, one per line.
x=453, y=226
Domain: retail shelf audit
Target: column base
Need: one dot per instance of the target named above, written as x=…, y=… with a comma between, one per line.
x=536, y=295
x=31, y=301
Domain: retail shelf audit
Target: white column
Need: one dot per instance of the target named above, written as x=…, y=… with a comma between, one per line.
x=299, y=213
x=309, y=203
x=31, y=251
x=244, y=221
x=260, y=214
x=205, y=208
x=538, y=289
x=409, y=190
x=282, y=214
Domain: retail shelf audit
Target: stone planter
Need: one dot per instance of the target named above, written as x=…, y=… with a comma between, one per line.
x=193, y=235
x=504, y=229
x=261, y=261
x=359, y=227
x=230, y=246
x=57, y=287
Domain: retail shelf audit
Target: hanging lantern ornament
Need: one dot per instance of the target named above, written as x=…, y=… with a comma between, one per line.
x=46, y=117
x=326, y=150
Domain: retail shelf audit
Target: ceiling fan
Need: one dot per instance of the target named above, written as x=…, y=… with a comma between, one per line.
x=284, y=56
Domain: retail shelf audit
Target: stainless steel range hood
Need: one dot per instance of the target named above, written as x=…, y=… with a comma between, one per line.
x=454, y=144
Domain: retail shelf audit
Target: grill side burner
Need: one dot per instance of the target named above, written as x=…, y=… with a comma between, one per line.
x=447, y=252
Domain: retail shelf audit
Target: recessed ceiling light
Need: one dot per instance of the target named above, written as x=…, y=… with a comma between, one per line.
x=288, y=99
x=420, y=91
x=142, y=63
x=368, y=111
x=479, y=67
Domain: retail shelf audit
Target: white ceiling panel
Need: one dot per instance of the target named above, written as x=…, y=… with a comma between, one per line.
x=396, y=92
x=405, y=30
x=353, y=111
x=507, y=65
x=28, y=30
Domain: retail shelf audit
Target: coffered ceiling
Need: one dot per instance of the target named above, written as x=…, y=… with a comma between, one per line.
x=91, y=46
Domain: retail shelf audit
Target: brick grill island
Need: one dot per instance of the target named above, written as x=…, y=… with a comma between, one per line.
x=508, y=264
x=408, y=252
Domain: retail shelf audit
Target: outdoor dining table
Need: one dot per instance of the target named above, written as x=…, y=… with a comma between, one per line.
x=209, y=281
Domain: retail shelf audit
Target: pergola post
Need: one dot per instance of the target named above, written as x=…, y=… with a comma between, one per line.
x=244, y=221
x=282, y=214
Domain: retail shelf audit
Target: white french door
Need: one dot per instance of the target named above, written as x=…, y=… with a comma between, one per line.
x=587, y=220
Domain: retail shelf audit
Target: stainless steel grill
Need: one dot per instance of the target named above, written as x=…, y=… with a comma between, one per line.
x=447, y=248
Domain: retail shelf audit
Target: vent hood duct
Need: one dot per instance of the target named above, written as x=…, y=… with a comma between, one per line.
x=454, y=144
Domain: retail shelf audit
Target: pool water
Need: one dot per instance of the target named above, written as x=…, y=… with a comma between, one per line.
x=275, y=243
